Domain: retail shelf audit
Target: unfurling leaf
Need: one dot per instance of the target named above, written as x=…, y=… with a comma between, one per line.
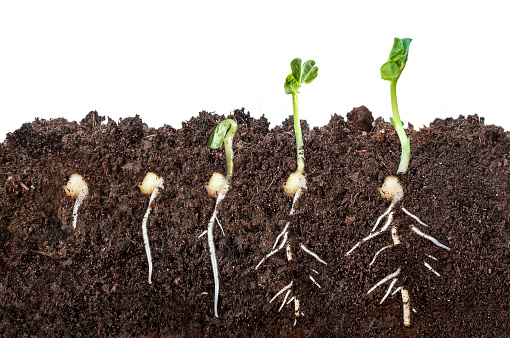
x=391, y=70
x=301, y=73
x=218, y=134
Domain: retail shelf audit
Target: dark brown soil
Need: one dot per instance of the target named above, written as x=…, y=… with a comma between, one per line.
x=92, y=281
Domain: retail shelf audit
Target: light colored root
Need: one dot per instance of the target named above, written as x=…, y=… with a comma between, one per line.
x=84, y=191
x=314, y=281
x=285, y=288
x=406, y=307
x=431, y=269
x=280, y=235
x=396, y=290
x=430, y=238
x=284, y=300
x=285, y=236
x=374, y=234
x=288, y=252
x=384, y=280
x=394, y=236
x=298, y=194
x=389, y=290
x=297, y=312
x=290, y=300
x=313, y=254
x=383, y=229
x=414, y=217
x=145, y=235
x=432, y=257
x=212, y=250
x=203, y=233
x=385, y=213
x=378, y=252
x=353, y=248
x=217, y=220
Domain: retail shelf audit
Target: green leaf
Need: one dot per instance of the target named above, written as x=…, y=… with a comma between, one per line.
x=295, y=65
x=291, y=86
x=301, y=73
x=218, y=135
x=391, y=70
x=309, y=71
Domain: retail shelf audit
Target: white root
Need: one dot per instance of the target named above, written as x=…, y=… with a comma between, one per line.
x=298, y=194
x=384, y=280
x=394, y=236
x=212, y=249
x=353, y=248
x=383, y=229
x=430, y=256
x=288, y=252
x=149, y=186
x=373, y=234
x=280, y=235
x=389, y=290
x=84, y=191
x=144, y=232
x=218, y=221
x=285, y=288
x=314, y=281
x=378, y=252
x=284, y=300
x=396, y=290
x=430, y=238
x=313, y=254
x=78, y=189
x=406, y=307
x=431, y=269
x=414, y=217
x=275, y=250
x=383, y=215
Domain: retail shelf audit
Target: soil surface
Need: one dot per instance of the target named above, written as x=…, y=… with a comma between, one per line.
x=93, y=281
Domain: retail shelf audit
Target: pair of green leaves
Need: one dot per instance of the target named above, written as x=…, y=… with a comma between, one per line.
x=301, y=73
x=397, y=60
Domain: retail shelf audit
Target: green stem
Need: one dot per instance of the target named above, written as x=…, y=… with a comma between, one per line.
x=299, y=135
x=399, y=126
x=229, y=153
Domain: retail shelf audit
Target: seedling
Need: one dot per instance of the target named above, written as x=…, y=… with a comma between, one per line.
x=78, y=189
x=218, y=187
x=392, y=189
x=150, y=186
x=296, y=183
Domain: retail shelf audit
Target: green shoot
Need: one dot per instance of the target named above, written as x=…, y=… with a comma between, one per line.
x=224, y=131
x=218, y=187
x=301, y=73
x=390, y=71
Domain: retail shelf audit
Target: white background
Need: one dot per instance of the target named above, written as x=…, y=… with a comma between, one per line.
x=168, y=60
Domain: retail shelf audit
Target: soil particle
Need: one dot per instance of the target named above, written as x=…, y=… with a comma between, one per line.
x=92, y=281
x=360, y=118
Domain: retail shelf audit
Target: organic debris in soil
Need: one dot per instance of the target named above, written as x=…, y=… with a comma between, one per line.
x=92, y=281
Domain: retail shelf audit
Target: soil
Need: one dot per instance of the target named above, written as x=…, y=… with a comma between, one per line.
x=92, y=281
